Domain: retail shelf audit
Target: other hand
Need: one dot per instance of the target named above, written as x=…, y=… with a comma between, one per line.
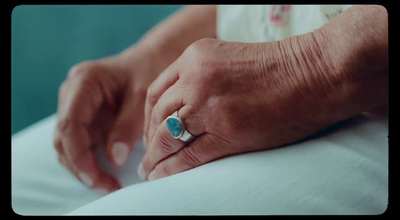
x=102, y=103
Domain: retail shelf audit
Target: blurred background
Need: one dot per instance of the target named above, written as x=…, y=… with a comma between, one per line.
x=47, y=40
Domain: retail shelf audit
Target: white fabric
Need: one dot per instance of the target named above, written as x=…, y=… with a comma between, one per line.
x=341, y=171
x=42, y=186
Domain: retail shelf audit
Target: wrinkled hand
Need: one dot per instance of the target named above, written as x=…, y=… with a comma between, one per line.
x=100, y=102
x=234, y=97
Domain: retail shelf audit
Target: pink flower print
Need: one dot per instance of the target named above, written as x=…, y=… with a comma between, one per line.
x=279, y=15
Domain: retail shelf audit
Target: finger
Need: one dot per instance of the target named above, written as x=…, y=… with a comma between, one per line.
x=126, y=129
x=203, y=149
x=60, y=152
x=81, y=100
x=156, y=89
x=82, y=161
x=103, y=183
x=58, y=145
x=163, y=144
x=57, y=139
x=167, y=104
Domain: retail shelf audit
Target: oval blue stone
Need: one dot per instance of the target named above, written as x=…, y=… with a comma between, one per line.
x=174, y=126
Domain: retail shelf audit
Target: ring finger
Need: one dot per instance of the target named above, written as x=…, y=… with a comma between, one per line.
x=163, y=144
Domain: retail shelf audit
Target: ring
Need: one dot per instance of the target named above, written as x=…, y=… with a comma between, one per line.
x=177, y=128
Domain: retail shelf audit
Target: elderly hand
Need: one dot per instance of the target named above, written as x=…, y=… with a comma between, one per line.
x=102, y=102
x=233, y=97
x=239, y=97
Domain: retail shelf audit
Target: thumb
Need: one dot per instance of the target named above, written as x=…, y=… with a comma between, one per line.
x=126, y=129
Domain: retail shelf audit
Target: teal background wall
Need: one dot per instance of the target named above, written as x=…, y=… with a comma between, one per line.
x=47, y=40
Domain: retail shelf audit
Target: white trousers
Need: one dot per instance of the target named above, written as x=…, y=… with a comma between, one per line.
x=341, y=171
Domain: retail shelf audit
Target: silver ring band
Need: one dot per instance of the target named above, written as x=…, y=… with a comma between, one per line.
x=177, y=129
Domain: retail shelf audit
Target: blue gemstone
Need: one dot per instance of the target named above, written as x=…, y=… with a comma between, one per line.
x=174, y=126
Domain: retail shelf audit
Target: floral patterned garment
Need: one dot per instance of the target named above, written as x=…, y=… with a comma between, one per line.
x=261, y=23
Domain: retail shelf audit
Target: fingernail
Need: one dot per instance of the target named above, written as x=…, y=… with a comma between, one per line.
x=120, y=153
x=141, y=172
x=152, y=175
x=86, y=179
x=144, y=140
x=102, y=191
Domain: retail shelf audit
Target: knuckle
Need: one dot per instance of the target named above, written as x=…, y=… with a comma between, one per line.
x=151, y=96
x=146, y=163
x=198, y=52
x=66, y=125
x=57, y=145
x=164, y=144
x=156, y=116
x=62, y=94
x=83, y=73
x=87, y=75
x=202, y=44
x=62, y=88
x=83, y=68
x=165, y=168
x=204, y=58
x=189, y=157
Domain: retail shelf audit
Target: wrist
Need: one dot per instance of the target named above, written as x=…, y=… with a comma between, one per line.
x=142, y=62
x=337, y=77
x=144, y=56
x=355, y=46
x=325, y=90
